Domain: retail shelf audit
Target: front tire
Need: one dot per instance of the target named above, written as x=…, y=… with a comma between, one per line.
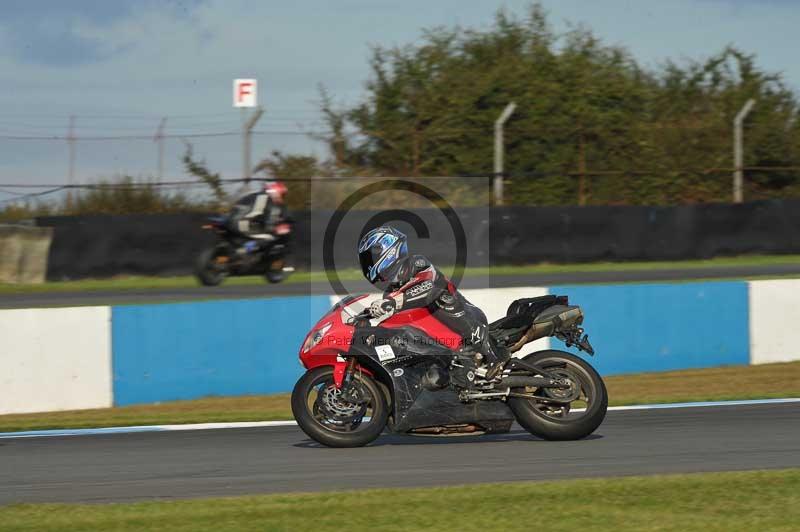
x=560, y=422
x=331, y=421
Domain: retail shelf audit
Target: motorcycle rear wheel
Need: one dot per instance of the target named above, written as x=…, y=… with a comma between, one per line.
x=331, y=421
x=208, y=270
x=276, y=271
x=560, y=422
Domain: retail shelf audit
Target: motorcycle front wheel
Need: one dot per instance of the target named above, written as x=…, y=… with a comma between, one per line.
x=562, y=413
x=323, y=414
x=212, y=266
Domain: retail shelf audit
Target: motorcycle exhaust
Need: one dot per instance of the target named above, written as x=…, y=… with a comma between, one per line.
x=536, y=331
x=547, y=323
x=449, y=430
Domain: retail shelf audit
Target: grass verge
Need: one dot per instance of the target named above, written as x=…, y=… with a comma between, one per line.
x=711, y=384
x=757, y=500
x=155, y=283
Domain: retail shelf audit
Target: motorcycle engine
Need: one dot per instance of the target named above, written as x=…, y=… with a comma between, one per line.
x=462, y=371
x=436, y=377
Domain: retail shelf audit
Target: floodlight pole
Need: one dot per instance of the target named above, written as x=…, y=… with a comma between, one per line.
x=737, y=150
x=498, y=152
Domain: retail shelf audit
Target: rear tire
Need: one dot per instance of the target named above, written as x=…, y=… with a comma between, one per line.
x=206, y=269
x=364, y=431
x=550, y=427
x=276, y=272
x=275, y=277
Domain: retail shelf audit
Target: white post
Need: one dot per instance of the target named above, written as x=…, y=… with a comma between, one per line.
x=737, y=150
x=159, y=138
x=247, y=130
x=498, y=152
x=71, y=143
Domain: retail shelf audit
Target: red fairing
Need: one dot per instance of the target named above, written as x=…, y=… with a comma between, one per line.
x=335, y=342
x=337, y=338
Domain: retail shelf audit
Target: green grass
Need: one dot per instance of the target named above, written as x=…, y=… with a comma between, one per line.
x=711, y=384
x=708, y=502
x=154, y=283
x=207, y=410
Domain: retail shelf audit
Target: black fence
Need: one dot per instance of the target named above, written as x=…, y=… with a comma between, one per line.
x=589, y=234
x=104, y=246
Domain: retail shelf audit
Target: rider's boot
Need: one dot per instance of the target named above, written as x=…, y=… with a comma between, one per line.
x=495, y=358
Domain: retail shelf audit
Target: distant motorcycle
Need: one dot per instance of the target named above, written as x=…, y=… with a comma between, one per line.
x=411, y=374
x=236, y=254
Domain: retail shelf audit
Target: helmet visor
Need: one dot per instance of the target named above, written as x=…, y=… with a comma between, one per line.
x=378, y=257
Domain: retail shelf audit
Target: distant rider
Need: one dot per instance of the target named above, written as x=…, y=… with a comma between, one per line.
x=413, y=282
x=261, y=215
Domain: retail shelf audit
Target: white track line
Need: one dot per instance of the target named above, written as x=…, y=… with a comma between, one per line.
x=703, y=404
x=267, y=424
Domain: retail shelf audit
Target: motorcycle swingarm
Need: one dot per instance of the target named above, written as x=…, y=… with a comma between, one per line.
x=519, y=381
x=518, y=363
x=489, y=395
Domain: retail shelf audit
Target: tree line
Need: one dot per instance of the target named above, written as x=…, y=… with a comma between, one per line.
x=592, y=125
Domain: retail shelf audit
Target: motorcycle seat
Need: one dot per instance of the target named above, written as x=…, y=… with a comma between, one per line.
x=522, y=312
x=534, y=318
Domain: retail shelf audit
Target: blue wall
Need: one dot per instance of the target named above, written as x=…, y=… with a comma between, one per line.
x=636, y=328
x=190, y=350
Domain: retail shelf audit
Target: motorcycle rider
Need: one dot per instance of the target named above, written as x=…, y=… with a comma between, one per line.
x=258, y=215
x=411, y=281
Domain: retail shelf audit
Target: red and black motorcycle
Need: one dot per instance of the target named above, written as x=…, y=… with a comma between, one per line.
x=411, y=374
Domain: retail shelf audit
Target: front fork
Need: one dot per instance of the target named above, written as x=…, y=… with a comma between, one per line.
x=343, y=371
x=343, y=378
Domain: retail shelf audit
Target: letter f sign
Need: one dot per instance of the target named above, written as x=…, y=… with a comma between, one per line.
x=244, y=92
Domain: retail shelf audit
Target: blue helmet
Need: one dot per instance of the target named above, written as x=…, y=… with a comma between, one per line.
x=380, y=252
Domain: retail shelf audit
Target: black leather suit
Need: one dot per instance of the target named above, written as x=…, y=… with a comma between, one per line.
x=419, y=284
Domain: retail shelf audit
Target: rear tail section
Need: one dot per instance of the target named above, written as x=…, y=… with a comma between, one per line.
x=530, y=319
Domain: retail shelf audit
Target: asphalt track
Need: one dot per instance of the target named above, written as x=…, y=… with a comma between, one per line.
x=211, y=463
x=136, y=296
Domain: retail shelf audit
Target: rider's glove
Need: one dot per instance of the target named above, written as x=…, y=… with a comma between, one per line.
x=382, y=308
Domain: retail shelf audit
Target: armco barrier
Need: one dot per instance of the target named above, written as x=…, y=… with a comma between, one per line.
x=55, y=359
x=190, y=350
x=774, y=321
x=636, y=328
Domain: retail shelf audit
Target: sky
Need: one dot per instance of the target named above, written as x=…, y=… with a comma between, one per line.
x=119, y=66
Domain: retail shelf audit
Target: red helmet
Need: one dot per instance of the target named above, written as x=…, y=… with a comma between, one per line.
x=275, y=190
